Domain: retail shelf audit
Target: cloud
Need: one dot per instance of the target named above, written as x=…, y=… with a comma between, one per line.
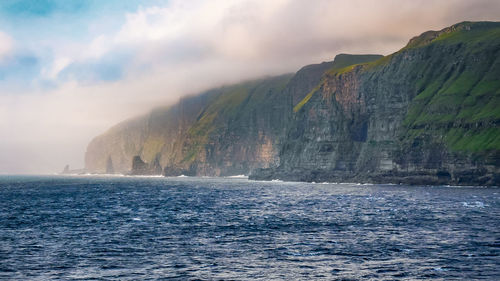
x=76, y=89
x=108, y=68
x=6, y=44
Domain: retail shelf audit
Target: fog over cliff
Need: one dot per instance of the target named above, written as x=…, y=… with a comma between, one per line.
x=67, y=73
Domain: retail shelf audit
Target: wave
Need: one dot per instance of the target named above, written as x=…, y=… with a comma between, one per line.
x=238, y=177
x=145, y=176
x=475, y=204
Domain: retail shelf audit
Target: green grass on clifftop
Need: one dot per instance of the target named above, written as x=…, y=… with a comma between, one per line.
x=459, y=96
x=341, y=64
x=345, y=62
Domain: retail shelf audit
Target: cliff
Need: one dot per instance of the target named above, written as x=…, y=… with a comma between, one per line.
x=224, y=131
x=427, y=114
x=230, y=130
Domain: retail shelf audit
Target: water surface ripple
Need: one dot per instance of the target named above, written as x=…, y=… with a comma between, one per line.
x=92, y=228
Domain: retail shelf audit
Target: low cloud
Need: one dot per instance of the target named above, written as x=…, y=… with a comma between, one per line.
x=159, y=54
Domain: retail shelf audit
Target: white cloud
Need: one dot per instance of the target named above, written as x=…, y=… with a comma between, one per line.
x=53, y=70
x=6, y=44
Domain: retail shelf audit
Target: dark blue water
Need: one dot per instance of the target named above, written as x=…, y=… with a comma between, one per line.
x=195, y=228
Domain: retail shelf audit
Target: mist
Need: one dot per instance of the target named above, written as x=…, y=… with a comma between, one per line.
x=60, y=89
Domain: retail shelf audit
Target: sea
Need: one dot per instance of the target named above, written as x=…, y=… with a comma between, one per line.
x=188, y=228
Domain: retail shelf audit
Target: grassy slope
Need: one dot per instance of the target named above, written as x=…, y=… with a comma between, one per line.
x=225, y=106
x=228, y=108
x=461, y=105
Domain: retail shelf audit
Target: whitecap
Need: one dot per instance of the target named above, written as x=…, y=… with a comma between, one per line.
x=475, y=204
x=239, y=177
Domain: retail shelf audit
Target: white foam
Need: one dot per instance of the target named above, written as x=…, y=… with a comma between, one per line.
x=145, y=176
x=475, y=204
x=239, y=177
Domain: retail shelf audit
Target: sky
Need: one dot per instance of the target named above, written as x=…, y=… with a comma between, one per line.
x=70, y=69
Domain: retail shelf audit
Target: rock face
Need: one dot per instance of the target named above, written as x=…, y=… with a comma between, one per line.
x=139, y=167
x=109, y=166
x=427, y=114
x=225, y=131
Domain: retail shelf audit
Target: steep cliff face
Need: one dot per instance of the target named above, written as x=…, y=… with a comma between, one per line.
x=145, y=136
x=426, y=114
x=308, y=77
x=112, y=151
x=226, y=131
x=235, y=132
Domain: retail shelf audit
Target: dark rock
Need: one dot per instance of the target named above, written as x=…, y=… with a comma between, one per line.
x=109, y=166
x=65, y=170
x=68, y=171
x=139, y=167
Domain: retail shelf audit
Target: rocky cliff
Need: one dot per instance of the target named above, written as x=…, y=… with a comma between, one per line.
x=225, y=131
x=427, y=114
x=230, y=130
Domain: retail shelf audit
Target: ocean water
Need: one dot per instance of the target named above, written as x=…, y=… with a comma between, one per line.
x=121, y=228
